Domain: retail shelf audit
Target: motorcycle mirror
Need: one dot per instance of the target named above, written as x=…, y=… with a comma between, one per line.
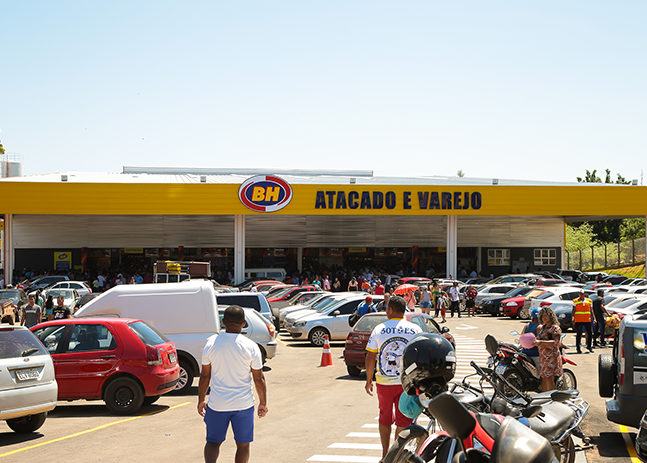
x=491, y=345
x=531, y=411
x=514, y=333
x=452, y=416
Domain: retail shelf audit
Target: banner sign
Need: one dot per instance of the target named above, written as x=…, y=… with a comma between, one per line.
x=62, y=261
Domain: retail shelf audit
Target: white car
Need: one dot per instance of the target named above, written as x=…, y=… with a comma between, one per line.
x=313, y=306
x=259, y=329
x=556, y=297
x=332, y=321
x=629, y=305
x=28, y=388
x=81, y=286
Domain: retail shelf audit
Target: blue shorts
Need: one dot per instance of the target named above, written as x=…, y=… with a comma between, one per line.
x=425, y=305
x=242, y=422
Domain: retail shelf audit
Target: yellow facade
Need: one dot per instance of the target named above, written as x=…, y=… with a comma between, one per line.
x=222, y=199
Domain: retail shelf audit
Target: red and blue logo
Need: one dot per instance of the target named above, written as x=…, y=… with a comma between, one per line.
x=265, y=193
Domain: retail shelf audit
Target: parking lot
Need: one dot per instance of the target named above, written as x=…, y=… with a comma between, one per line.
x=315, y=414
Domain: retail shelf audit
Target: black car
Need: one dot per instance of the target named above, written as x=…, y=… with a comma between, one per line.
x=491, y=305
x=614, y=279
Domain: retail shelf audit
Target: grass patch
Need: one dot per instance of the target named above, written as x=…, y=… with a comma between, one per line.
x=637, y=271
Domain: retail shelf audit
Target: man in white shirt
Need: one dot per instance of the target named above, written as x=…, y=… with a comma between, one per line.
x=230, y=362
x=455, y=297
x=385, y=347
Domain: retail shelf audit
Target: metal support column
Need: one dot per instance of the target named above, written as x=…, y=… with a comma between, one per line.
x=300, y=259
x=452, y=245
x=239, y=248
x=7, y=249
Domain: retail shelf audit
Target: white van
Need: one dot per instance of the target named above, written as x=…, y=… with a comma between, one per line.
x=187, y=314
x=277, y=274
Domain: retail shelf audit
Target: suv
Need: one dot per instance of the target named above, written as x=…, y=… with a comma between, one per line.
x=249, y=300
x=28, y=389
x=622, y=375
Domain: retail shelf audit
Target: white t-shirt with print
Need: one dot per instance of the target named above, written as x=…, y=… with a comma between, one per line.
x=232, y=358
x=388, y=340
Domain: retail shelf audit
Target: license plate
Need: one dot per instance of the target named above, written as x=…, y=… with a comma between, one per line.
x=500, y=369
x=172, y=357
x=26, y=375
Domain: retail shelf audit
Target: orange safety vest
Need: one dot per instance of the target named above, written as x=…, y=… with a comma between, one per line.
x=582, y=310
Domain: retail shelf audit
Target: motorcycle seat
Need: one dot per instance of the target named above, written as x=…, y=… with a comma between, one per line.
x=556, y=419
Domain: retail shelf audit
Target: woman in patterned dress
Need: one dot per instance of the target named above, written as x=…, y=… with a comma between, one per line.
x=548, y=341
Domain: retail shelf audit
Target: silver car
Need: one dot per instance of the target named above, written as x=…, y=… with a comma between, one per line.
x=257, y=328
x=311, y=306
x=28, y=388
x=331, y=321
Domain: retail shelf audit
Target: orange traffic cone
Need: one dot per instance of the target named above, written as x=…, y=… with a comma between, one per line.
x=326, y=357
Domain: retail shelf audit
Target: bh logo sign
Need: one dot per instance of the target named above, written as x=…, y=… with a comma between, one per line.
x=265, y=193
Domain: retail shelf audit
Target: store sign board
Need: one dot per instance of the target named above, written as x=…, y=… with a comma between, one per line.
x=265, y=193
x=133, y=250
x=62, y=260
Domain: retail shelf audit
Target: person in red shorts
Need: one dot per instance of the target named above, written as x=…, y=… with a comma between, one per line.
x=384, y=358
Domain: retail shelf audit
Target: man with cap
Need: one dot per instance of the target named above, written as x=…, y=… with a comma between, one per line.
x=582, y=316
x=365, y=307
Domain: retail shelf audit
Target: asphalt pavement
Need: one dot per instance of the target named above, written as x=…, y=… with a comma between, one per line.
x=315, y=414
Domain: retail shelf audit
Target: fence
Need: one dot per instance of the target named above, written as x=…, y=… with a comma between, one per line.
x=606, y=256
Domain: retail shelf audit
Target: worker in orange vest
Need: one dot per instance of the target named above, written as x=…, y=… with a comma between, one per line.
x=582, y=316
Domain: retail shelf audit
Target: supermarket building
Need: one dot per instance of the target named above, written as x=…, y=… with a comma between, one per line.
x=239, y=218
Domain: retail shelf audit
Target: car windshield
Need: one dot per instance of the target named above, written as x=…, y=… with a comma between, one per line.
x=625, y=304
x=311, y=302
x=148, y=334
x=366, y=324
x=19, y=343
x=546, y=295
x=520, y=291
x=279, y=292
x=322, y=303
x=323, y=307
x=534, y=293
x=13, y=296
x=67, y=294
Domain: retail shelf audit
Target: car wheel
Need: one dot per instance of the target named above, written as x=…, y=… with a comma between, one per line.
x=263, y=354
x=318, y=337
x=27, y=424
x=151, y=399
x=123, y=396
x=353, y=370
x=185, y=381
x=523, y=314
x=606, y=375
x=407, y=444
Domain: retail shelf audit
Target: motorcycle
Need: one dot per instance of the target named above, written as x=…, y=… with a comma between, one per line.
x=555, y=415
x=509, y=361
x=477, y=438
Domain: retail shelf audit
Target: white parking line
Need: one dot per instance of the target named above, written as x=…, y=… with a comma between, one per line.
x=344, y=458
x=366, y=434
x=349, y=445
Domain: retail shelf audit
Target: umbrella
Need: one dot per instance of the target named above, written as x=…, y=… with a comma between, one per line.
x=405, y=288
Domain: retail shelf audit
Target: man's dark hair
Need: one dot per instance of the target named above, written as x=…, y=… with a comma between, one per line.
x=600, y=292
x=234, y=314
x=397, y=303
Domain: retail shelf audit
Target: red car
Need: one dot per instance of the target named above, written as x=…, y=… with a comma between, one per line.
x=124, y=362
x=510, y=307
x=355, y=350
x=287, y=295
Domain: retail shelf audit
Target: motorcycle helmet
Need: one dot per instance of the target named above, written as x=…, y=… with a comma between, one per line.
x=428, y=364
x=534, y=313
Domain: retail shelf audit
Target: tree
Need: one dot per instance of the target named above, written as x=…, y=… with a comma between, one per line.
x=605, y=230
x=1, y=148
x=579, y=237
x=460, y=173
x=632, y=228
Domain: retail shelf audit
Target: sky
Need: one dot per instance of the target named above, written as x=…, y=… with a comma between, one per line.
x=495, y=88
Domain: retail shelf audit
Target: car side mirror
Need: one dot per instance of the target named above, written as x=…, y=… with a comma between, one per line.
x=444, y=329
x=335, y=313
